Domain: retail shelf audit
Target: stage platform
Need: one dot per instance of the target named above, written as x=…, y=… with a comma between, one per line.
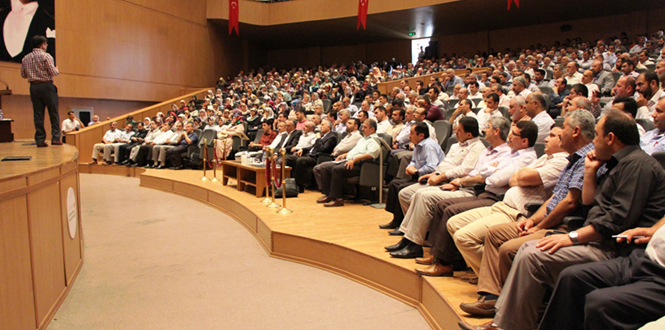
x=40, y=229
x=343, y=240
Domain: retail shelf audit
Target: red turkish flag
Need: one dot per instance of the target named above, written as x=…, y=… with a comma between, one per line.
x=362, y=14
x=517, y=3
x=233, y=16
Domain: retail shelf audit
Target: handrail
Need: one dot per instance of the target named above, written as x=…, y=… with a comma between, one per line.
x=385, y=87
x=85, y=138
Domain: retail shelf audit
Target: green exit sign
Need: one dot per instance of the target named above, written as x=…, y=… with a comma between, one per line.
x=411, y=34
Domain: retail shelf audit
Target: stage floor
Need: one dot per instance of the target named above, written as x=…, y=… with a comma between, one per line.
x=344, y=240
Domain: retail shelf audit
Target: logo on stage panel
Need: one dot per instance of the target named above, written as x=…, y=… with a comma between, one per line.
x=72, y=212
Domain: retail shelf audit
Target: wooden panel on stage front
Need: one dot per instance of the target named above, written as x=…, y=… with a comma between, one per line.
x=191, y=191
x=71, y=246
x=17, y=306
x=46, y=246
x=157, y=183
x=11, y=184
x=265, y=235
x=432, y=300
x=44, y=175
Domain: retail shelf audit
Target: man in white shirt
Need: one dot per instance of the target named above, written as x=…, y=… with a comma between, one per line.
x=153, y=133
x=474, y=90
x=382, y=122
x=307, y=138
x=281, y=134
x=113, y=148
x=648, y=89
x=573, y=76
x=492, y=110
x=463, y=110
x=519, y=87
x=535, y=108
x=652, y=141
x=350, y=140
x=111, y=136
x=340, y=125
x=420, y=205
x=70, y=124
x=158, y=152
x=517, y=110
x=587, y=80
x=95, y=120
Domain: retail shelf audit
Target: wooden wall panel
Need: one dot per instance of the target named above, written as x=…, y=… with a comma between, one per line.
x=17, y=307
x=46, y=247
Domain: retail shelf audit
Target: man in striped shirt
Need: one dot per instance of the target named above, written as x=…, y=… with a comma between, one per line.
x=39, y=69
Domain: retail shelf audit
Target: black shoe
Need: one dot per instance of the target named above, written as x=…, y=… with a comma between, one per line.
x=412, y=250
x=175, y=168
x=391, y=225
x=160, y=167
x=400, y=245
x=301, y=189
x=147, y=166
x=135, y=165
x=396, y=232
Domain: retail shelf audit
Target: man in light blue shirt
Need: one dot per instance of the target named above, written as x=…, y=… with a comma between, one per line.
x=652, y=141
x=427, y=155
x=330, y=176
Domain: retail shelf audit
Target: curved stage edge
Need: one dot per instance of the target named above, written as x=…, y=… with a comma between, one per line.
x=344, y=240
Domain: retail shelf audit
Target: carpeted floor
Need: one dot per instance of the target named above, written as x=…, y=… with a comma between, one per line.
x=155, y=260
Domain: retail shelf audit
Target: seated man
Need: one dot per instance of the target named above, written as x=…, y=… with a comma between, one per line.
x=113, y=148
x=135, y=140
x=535, y=108
x=111, y=136
x=621, y=293
x=463, y=110
x=330, y=175
x=186, y=139
x=398, y=115
x=306, y=140
x=419, y=199
x=340, y=124
x=627, y=192
x=292, y=137
x=158, y=152
x=153, y=132
x=532, y=184
x=382, y=122
x=70, y=124
x=491, y=110
x=352, y=138
x=305, y=159
x=503, y=240
x=267, y=138
x=427, y=154
x=653, y=140
x=517, y=110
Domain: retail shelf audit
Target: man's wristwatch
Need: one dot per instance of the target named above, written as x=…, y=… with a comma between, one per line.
x=574, y=237
x=417, y=173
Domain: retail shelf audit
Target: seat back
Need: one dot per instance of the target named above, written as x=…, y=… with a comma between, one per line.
x=646, y=124
x=452, y=140
x=548, y=101
x=660, y=157
x=326, y=105
x=505, y=112
x=559, y=121
x=476, y=101
x=443, y=129
x=452, y=103
x=539, y=147
x=487, y=144
x=259, y=135
x=546, y=90
x=616, y=76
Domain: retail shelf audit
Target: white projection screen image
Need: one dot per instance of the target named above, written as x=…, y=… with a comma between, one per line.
x=20, y=20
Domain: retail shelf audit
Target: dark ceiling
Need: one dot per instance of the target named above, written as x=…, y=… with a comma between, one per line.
x=445, y=19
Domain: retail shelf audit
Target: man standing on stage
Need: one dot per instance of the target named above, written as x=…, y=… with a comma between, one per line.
x=39, y=69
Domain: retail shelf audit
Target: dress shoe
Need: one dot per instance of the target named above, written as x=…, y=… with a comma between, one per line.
x=412, y=250
x=400, y=245
x=301, y=189
x=430, y=260
x=396, y=232
x=135, y=165
x=176, y=168
x=390, y=225
x=324, y=199
x=56, y=143
x=436, y=269
x=42, y=145
x=486, y=326
x=93, y=162
x=336, y=202
x=160, y=167
x=481, y=307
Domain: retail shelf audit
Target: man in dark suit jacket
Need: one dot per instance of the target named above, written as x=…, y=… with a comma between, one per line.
x=304, y=160
x=291, y=139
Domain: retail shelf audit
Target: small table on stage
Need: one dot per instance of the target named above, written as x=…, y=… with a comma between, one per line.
x=251, y=175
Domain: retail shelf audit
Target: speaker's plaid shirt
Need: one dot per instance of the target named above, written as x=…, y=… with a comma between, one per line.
x=38, y=66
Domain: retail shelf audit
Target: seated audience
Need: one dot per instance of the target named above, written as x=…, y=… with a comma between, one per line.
x=111, y=136
x=652, y=141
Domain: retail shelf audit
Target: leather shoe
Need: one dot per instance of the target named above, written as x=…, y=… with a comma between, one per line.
x=481, y=307
x=301, y=189
x=430, y=260
x=486, y=326
x=390, y=225
x=336, y=202
x=400, y=245
x=56, y=143
x=160, y=167
x=396, y=232
x=412, y=250
x=42, y=145
x=436, y=269
x=324, y=199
